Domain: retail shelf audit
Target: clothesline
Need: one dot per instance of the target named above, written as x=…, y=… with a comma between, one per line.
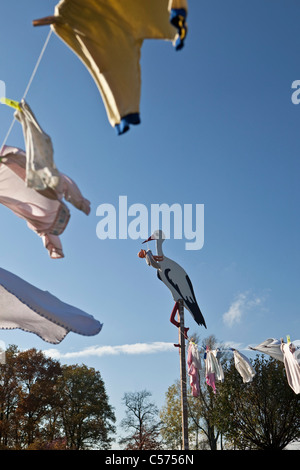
x=204, y=348
x=288, y=353
x=28, y=85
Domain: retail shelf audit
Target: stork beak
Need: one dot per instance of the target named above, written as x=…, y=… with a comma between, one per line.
x=150, y=238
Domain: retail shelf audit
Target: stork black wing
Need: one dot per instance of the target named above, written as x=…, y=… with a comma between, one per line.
x=191, y=305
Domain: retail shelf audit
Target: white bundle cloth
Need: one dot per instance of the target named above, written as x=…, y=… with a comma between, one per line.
x=30, y=309
x=243, y=366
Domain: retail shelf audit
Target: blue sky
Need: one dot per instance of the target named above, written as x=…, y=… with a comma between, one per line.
x=218, y=128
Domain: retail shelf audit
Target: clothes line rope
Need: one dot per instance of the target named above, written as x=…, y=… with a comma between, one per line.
x=29, y=84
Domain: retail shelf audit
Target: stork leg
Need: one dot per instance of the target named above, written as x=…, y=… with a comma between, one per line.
x=176, y=323
x=172, y=317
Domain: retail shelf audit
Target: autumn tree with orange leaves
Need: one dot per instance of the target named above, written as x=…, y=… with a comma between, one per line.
x=44, y=405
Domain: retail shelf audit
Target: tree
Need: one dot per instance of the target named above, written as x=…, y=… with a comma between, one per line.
x=26, y=394
x=200, y=419
x=37, y=377
x=44, y=405
x=202, y=409
x=201, y=412
x=9, y=395
x=264, y=414
x=170, y=415
x=141, y=421
x=86, y=416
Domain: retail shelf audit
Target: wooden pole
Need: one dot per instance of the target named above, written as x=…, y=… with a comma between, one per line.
x=184, y=407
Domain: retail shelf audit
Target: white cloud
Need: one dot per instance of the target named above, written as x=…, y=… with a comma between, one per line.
x=239, y=306
x=233, y=345
x=100, y=351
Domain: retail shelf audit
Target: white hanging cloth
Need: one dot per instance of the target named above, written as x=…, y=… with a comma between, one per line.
x=271, y=347
x=41, y=172
x=243, y=366
x=213, y=369
x=36, y=311
x=291, y=365
x=194, y=365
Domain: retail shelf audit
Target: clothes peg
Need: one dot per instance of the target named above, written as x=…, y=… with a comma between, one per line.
x=12, y=103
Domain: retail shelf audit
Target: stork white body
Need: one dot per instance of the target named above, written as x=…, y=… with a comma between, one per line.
x=174, y=277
